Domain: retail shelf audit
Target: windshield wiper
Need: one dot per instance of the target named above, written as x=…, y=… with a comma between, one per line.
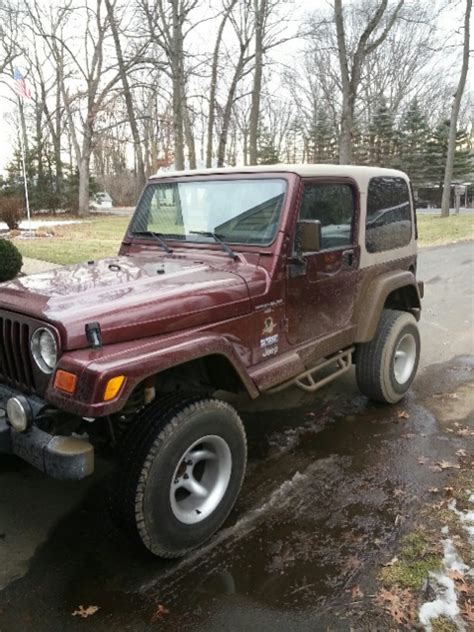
x=218, y=239
x=157, y=236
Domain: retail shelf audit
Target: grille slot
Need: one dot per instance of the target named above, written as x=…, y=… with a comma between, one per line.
x=15, y=359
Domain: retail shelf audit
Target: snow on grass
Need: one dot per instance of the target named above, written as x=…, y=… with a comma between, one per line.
x=38, y=223
x=466, y=518
x=446, y=602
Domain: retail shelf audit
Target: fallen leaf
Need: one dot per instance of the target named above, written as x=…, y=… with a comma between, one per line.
x=445, y=465
x=399, y=606
x=356, y=593
x=435, y=468
x=85, y=612
x=353, y=562
x=403, y=415
x=422, y=460
x=468, y=611
x=386, y=595
x=463, y=588
x=393, y=561
x=159, y=613
x=461, y=452
x=456, y=575
x=433, y=490
x=448, y=491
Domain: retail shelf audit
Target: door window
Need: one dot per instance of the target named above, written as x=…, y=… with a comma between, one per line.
x=388, y=224
x=334, y=206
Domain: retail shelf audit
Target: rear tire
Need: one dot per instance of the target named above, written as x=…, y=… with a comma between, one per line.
x=386, y=366
x=179, y=473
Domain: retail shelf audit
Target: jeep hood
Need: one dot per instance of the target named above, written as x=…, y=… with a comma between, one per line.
x=134, y=297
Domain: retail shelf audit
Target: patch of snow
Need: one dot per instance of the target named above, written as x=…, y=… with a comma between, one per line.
x=37, y=223
x=471, y=498
x=466, y=518
x=446, y=602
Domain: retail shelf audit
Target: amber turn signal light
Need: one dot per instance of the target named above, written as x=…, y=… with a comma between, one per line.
x=113, y=387
x=65, y=381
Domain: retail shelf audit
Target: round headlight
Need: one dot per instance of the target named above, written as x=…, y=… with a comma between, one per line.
x=44, y=350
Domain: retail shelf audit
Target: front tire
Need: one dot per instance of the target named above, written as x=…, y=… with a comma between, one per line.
x=386, y=366
x=179, y=474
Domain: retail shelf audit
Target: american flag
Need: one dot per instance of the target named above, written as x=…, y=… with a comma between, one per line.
x=20, y=86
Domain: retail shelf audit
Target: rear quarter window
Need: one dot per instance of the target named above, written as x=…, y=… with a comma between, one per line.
x=389, y=220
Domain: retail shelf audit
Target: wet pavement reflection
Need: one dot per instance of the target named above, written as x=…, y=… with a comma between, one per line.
x=331, y=485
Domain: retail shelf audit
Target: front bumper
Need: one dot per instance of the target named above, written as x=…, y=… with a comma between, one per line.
x=64, y=458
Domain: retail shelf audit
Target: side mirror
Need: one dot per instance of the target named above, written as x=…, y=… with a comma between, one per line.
x=308, y=235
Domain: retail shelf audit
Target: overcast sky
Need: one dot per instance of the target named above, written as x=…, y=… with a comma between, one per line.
x=297, y=9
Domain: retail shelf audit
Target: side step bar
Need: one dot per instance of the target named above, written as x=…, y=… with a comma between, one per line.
x=307, y=381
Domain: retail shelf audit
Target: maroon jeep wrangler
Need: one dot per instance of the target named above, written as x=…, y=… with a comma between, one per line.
x=246, y=279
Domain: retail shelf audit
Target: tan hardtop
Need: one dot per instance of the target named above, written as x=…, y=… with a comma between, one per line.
x=303, y=170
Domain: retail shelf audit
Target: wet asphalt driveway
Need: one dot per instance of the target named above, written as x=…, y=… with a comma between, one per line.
x=333, y=482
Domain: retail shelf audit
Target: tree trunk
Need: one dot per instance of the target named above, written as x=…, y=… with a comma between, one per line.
x=178, y=137
x=345, y=135
x=141, y=178
x=213, y=86
x=178, y=87
x=188, y=131
x=57, y=149
x=448, y=174
x=259, y=8
x=228, y=110
x=83, y=209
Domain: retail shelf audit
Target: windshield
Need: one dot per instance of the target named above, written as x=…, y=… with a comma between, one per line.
x=238, y=211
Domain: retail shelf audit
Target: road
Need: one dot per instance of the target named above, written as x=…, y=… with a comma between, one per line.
x=333, y=481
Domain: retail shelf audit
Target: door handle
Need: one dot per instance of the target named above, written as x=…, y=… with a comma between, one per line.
x=348, y=258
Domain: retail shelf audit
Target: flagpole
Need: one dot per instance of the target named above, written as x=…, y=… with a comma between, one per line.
x=23, y=162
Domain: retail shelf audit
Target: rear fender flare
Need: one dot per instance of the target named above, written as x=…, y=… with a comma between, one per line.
x=374, y=298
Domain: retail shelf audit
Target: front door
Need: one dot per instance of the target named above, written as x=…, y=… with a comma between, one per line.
x=321, y=287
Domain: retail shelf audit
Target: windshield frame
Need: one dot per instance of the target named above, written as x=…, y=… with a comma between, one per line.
x=287, y=177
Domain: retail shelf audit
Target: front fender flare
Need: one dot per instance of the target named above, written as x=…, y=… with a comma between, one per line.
x=145, y=359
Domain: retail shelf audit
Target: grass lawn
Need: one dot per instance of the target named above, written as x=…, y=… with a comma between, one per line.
x=101, y=237
x=92, y=239
x=434, y=230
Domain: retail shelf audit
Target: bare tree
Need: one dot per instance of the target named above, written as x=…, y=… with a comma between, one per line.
x=92, y=81
x=351, y=64
x=9, y=29
x=448, y=174
x=268, y=34
x=213, y=85
x=124, y=67
x=168, y=27
x=244, y=30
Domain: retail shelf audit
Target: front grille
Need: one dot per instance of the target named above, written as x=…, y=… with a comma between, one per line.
x=15, y=359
